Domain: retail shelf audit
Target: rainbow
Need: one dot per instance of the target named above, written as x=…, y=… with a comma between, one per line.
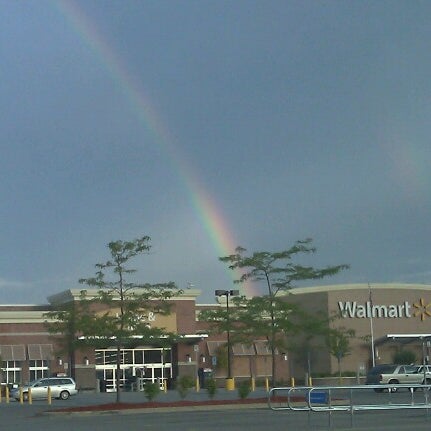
x=209, y=214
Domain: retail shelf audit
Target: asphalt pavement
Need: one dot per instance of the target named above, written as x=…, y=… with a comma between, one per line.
x=230, y=417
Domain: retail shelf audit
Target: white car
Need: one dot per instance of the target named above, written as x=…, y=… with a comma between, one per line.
x=425, y=373
x=61, y=388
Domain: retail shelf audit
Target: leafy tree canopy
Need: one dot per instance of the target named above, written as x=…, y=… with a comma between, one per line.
x=271, y=315
x=127, y=306
x=123, y=311
x=277, y=269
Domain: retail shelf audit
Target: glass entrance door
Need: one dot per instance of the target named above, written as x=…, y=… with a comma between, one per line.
x=107, y=379
x=138, y=366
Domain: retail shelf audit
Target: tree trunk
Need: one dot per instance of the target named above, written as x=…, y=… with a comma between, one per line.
x=72, y=364
x=117, y=374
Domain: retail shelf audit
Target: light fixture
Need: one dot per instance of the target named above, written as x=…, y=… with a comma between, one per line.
x=228, y=293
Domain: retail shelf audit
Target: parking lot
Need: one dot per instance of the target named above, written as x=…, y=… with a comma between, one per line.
x=231, y=418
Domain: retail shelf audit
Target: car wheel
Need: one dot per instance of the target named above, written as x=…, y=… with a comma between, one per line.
x=64, y=395
x=393, y=382
x=25, y=396
x=427, y=382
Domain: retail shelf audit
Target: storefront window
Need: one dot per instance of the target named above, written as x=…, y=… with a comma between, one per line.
x=127, y=356
x=99, y=357
x=110, y=357
x=38, y=369
x=139, y=356
x=153, y=356
x=12, y=371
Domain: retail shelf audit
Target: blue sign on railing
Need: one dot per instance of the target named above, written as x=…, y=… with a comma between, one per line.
x=318, y=397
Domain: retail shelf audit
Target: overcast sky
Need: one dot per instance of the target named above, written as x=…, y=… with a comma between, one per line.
x=212, y=124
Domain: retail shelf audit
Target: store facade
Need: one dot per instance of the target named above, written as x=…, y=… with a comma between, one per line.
x=29, y=351
x=374, y=312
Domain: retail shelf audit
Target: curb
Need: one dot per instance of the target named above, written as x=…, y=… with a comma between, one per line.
x=157, y=410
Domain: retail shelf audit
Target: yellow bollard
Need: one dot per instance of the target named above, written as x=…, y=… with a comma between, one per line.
x=21, y=396
x=49, y=395
x=292, y=382
x=230, y=384
x=253, y=384
x=197, y=385
x=310, y=381
x=267, y=384
x=7, y=395
x=30, y=398
x=1, y=392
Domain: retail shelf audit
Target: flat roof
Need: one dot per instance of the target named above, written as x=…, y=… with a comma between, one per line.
x=359, y=286
x=402, y=338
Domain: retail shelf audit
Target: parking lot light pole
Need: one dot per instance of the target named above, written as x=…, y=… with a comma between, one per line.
x=229, y=383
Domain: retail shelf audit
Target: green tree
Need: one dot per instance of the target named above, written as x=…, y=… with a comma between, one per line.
x=279, y=273
x=221, y=355
x=338, y=343
x=126, y=304
x=63, y=323
x=311, y=333
x=404, y=357
x=221, y=321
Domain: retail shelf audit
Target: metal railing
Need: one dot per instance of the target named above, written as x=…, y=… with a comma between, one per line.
x=350, y=399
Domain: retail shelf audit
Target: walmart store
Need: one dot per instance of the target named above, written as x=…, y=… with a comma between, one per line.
x=385, y=318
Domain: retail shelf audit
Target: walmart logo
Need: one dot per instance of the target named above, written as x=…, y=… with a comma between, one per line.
x=355, y=309
x=423, y=309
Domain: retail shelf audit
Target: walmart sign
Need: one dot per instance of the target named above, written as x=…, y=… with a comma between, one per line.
x=355, y=309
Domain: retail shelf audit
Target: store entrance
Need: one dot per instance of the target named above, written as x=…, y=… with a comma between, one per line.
x=138, y=366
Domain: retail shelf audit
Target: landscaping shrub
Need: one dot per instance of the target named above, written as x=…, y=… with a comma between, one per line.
x=184, y=384
x=211, y=387
x=151, y=390
x=244, y=390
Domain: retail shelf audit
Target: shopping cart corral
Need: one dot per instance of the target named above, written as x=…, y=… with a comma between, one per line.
x=350, y=399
